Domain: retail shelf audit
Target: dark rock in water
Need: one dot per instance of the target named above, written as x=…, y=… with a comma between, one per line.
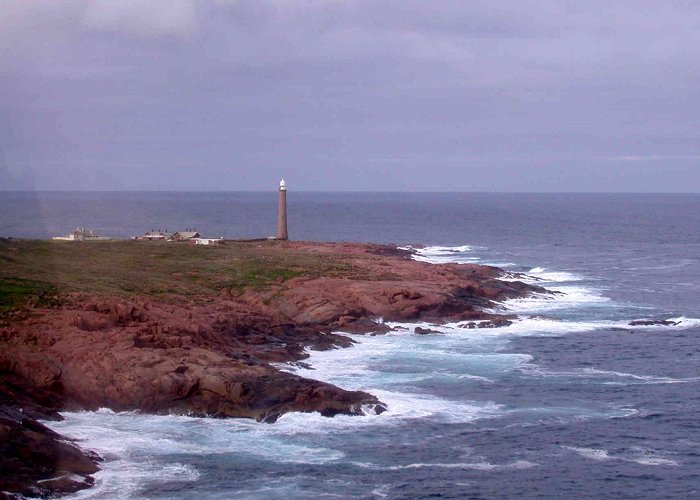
x=379, y=409
x=471, y=325
x=34, y=460
x=651, y=322
x=424, y=331
x=391, y=250
x=301, y=364
x=351, y=324
x=492, y=323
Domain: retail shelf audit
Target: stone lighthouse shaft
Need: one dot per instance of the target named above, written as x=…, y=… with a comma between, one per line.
x=282, y=212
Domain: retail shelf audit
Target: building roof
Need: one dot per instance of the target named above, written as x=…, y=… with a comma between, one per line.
x=187, y=234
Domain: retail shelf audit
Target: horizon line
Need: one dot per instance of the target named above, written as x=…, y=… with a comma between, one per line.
x=329, y=191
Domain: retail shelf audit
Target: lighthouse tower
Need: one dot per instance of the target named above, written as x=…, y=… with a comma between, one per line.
x=282, y=212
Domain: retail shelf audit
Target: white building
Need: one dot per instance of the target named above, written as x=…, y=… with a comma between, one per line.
x=207, y=241
x=82, y=234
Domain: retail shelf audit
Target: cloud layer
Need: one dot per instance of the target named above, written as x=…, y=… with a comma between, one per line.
x=409, y=95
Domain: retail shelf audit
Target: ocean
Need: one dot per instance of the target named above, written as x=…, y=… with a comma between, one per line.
x=569, y=401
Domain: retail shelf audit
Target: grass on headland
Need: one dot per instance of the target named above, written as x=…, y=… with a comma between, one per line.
x=18, y=291
x=29, y=268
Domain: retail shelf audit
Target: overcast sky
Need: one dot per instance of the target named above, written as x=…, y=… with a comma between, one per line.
x=508, y=95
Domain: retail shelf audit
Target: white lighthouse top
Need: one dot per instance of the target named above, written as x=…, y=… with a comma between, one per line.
x=283, y=185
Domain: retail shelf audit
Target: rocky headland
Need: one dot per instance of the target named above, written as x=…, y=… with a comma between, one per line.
x=174, y=328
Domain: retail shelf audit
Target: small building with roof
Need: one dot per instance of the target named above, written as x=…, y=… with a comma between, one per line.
x=187, y=234
x=82, y=234
x=156, y=235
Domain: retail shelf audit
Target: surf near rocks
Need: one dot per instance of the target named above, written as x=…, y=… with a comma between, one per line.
x=206, y=345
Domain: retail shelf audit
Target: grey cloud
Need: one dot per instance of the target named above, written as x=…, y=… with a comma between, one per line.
x=475, y=95
x=143, y=17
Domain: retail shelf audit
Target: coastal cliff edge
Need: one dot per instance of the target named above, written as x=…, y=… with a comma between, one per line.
x=170, y=328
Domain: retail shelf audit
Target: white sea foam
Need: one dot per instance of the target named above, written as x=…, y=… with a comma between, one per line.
x=439, y=250
x=366, y=366
x=642, y=460
x=444, y=255
x=469, y=355
x=566, y=414
x=540, y=274
x=567, y=296
x=137, y=448
x=642, y=456
x=485, y=466
x=592, y=453
x=593, y=373
x=452, y=255
x=542, y=326
x=465, y=254
x=381, y=491
x=462, y=354
x=564, y=297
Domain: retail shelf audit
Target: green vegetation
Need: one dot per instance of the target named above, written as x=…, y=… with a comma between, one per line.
x=32, y=269
x=16, y=292
x=259, y=277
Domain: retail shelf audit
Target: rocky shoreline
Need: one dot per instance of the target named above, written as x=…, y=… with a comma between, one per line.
x=213, y=355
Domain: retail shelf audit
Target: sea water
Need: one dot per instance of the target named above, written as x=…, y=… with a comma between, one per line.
x=568, y=401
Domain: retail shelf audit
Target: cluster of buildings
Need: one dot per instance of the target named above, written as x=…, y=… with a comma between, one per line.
x=82, y=234
x=188, y=235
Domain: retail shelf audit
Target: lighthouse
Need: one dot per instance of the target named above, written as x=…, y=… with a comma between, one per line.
x=282, y=212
